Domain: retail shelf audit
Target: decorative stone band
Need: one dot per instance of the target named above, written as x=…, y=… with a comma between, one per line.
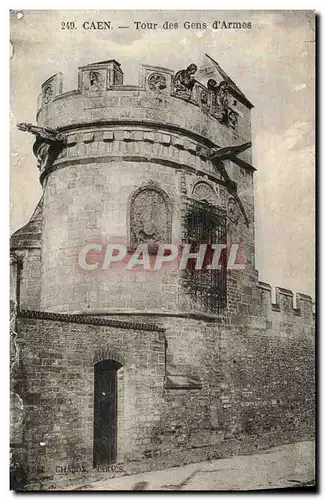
x=137, y=144
x=284, y=300
x=103, y=315
x=89, y=320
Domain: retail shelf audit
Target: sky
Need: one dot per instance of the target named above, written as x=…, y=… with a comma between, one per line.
x=272, y=63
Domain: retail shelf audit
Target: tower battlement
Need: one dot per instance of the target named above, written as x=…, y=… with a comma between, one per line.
x=285, y=301
x=215, y=114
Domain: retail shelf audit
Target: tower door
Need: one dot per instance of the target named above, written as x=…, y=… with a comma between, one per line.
x=105, y=412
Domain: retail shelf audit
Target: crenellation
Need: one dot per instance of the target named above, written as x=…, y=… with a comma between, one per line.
x=51, y=88
x=305, y=305
x=285, y=300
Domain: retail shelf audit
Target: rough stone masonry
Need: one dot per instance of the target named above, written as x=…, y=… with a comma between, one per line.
x=146, y=368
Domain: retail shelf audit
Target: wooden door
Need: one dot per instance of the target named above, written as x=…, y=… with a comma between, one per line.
x=105, y=412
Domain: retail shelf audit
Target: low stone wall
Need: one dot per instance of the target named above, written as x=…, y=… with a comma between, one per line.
x=256, y=389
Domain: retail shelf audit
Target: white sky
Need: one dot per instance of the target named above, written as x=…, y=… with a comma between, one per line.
x=273, y=63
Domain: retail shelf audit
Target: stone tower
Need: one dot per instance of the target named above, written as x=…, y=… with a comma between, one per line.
x=133, y=158
x=168, y=356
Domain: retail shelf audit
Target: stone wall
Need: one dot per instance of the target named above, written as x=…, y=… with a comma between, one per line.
x=30, y=283
x=25, y=283
x=90, y=202
x=258, y=380
x=93, y=206
x=256, y=385
x=58, y=361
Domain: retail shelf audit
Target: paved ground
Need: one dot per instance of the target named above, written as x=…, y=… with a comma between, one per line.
x=281, y=467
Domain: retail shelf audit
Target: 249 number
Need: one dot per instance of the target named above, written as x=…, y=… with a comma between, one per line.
x=69, y=25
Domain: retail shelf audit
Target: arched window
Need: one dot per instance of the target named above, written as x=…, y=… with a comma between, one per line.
x=150, y=218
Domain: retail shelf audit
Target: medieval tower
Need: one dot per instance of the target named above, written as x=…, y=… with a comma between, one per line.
x=144, y=365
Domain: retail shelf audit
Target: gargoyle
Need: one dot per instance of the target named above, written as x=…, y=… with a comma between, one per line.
x=47, y=145
x=48, y=134
x=228, y=152
x=217, y=155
